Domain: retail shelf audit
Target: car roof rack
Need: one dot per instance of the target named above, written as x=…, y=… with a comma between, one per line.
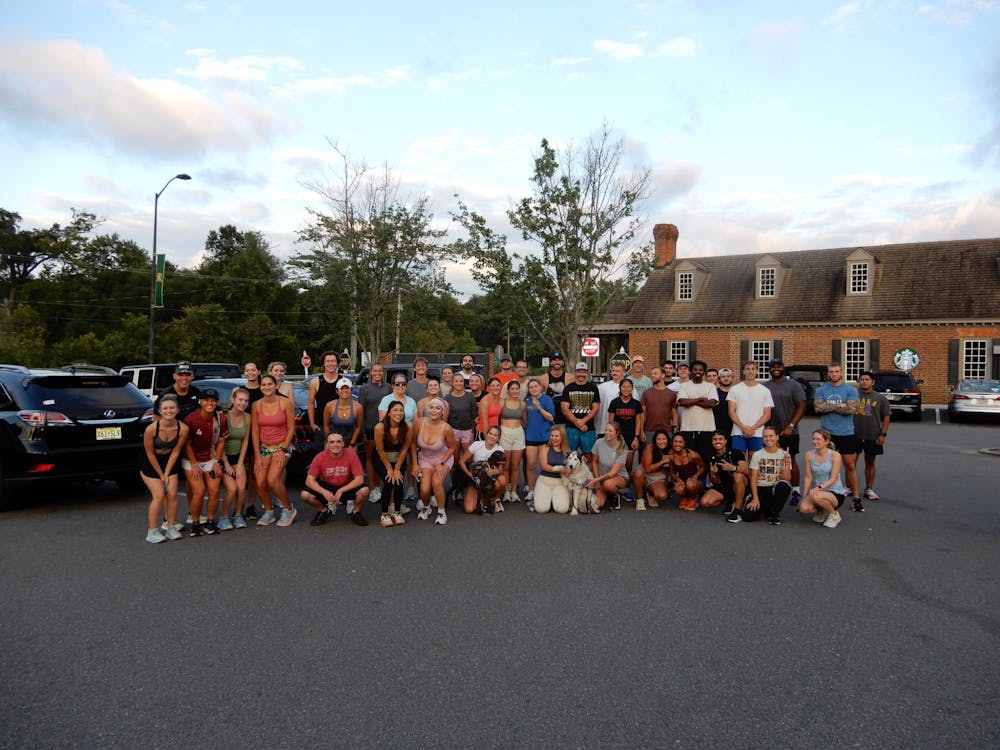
x=15, y=368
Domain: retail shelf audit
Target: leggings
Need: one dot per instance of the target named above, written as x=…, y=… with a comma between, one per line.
x=551, y=493
x=394, y=493
x=772, y=500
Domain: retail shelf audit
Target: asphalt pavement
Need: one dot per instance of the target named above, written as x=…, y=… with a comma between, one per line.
x=624, y=630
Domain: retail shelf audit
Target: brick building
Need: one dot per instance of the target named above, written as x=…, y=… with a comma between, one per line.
x=856, y=306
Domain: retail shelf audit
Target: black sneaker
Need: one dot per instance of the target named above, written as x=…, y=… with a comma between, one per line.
x=614, y=502
x=774, y=521
x=730, y=507
x=734, y=516
x=359, y=519
x=210, y=528
x=196, y=529
x=321, y=517
x=251, y=513
x=858, y=507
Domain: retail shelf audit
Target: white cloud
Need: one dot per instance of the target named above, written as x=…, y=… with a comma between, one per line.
x=340, y=84
x=840, y=19
x=242, y=69
x=619, y=50
x=567, y=61
x=73, y=91
x=678, y=47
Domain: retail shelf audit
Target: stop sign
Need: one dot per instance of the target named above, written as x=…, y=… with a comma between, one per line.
x=591, y=347
x=306, y=360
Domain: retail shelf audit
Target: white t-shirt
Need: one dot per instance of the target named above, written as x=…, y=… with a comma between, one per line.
x=609, y=391
x=698, y=418
x=750, y=404
x=481, y=453
x=769, y=466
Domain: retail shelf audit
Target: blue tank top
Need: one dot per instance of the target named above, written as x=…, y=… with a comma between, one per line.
x=344, y=427
x=821, y=473
x=554, y=458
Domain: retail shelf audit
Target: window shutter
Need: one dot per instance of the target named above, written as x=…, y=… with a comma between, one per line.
x=952, y=361
x=836, y=349
x=744, y=353
x=873, y=352
x=994, y=360
x=692, y=351
x=664, y=356
x=776, y=349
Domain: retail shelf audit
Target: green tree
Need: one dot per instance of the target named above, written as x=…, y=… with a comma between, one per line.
x=22, y=252
x=581, y=223
x=369, y=246
x=22, y=338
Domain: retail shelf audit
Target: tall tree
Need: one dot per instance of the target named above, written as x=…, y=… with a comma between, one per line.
x=22, y=252
x=581, y=223
x=369, y=244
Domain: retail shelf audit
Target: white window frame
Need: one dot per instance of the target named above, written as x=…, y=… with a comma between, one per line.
x=975, y=363
x=678, y=351
x=761, y=353
x=855, y=358
x=685, y=286
x=859, y=279
x=767, y=282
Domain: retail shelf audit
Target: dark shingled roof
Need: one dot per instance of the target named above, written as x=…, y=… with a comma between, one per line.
x=955, y=280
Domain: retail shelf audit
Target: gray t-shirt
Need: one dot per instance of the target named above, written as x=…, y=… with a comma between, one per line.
x=787, y=395
x=370, y=396
x=872, y=409
x=607, y=457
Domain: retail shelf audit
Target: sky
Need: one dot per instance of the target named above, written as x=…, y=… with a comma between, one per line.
x=768, y=126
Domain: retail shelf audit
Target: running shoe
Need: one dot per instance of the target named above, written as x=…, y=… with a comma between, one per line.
x=795, y=497
x=397, y=519
x=267, y=519
x=832, y=520
x=819, y=516
x=640, y=503
x=734, y=516
x=774, y=520
x=164, y=526
x=287, y=516
x=225, y=524
x=424, y=513
x=385, y=521
x=530, y=505
x=155, y=536
x=358, y=519
x=210, y=527
x=173, y=535
x=321, y=517
x=239, y=522
x=653, y=502
x=497, y=506
x=858, y=507
x=442, y=518
x=196, y=530
x=529, y=496
x=251, y=513
x=870, y=494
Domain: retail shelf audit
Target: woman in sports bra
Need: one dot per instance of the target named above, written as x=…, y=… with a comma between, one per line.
x=272, y=421
x=159, y=467
x=433, y=391
x=344, y=415
x=393, y=437
x=432, y=454
x=685, y=469
x=513, y=417
x=234, y=460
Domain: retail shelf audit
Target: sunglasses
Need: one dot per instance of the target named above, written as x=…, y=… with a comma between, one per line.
x=400, y=382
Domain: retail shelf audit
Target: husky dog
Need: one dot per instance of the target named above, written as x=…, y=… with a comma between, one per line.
x=581, y=497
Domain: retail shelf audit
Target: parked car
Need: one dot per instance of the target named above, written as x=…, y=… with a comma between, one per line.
x=974, y=398
x=63, y=425
x=810, y=376
x=902, y=391
x=151, y=379
x=391, y=369
x=303, y=442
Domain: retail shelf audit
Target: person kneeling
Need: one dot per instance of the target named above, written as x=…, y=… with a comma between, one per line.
x=335, y=476
x=770, y=481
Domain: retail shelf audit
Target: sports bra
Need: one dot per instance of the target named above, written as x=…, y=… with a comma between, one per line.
x=159, y=444
x=344, y=427
x=508, y=413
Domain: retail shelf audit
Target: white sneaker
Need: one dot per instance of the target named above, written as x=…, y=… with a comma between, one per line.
x=165, y=526
x=870, y=494
x=155, y=536
x=529, y=496
x=375, y=495
x=819, y=516
x=640, y=503
x=173, y=535
x=832, y=520
x=424, y=513
x=442, y=518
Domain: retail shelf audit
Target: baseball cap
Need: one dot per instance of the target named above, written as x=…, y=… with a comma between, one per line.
x=183, y=368
x=582, y=366
x=776, y=361
x=210, y=393
x=639, y=358
x=556, y=355
x=683, y=363
x=344, y=381
x=506, y=358
x=725, y=370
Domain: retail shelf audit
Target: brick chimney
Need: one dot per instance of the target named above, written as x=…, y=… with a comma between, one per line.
x=665, y=239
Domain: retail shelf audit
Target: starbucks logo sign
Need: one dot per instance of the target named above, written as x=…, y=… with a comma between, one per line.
x=906, y=359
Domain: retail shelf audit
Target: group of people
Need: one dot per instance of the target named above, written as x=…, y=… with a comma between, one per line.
x=684, y=431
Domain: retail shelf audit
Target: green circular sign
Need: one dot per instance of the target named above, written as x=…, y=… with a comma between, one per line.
x=906, y=359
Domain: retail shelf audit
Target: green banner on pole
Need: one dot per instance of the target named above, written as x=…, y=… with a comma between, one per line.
x=161, y=264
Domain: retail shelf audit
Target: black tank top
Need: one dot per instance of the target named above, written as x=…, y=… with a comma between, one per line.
x=325, y=393
x=557, y=383
x=159, y=444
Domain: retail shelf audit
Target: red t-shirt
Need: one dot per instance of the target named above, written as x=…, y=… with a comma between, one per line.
x=336, y=471
x=205, y=434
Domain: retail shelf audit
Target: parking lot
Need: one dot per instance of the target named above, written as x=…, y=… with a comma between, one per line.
x=656, y=629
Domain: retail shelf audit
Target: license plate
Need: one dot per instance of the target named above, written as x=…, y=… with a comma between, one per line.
x=109, y=433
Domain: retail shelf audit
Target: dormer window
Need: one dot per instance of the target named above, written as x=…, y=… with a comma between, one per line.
x=859, y=273
x=685, y=285
x=767, y=282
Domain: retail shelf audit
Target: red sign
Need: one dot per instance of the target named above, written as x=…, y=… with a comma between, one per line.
x=306, y=360
x=591, y=347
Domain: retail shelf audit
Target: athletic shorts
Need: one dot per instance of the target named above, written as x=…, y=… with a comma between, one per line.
x=747, y=445
x=203, y=465
x=464, y=438
x=512, y=438
x=790, y=443
x=582, y=442
x=871, y=447
x=349, y=495
x=535, y=443
x=846, y=444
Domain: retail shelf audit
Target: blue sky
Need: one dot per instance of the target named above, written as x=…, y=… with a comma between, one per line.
x=768, y=125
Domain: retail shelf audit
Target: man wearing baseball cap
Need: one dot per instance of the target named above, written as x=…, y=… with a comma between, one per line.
x=506, y=373
x=640, y=380
x=580, y=406
x=554, y=381
x=187, y=395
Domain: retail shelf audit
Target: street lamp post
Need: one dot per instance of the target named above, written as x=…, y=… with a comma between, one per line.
x=152, y=282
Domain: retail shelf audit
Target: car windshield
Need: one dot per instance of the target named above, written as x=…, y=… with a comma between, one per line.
x=891, y=382
x=84, y=394
x=979, y=386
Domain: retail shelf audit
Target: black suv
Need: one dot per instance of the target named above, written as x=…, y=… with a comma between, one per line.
x=56, y=424
x=901, y=390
